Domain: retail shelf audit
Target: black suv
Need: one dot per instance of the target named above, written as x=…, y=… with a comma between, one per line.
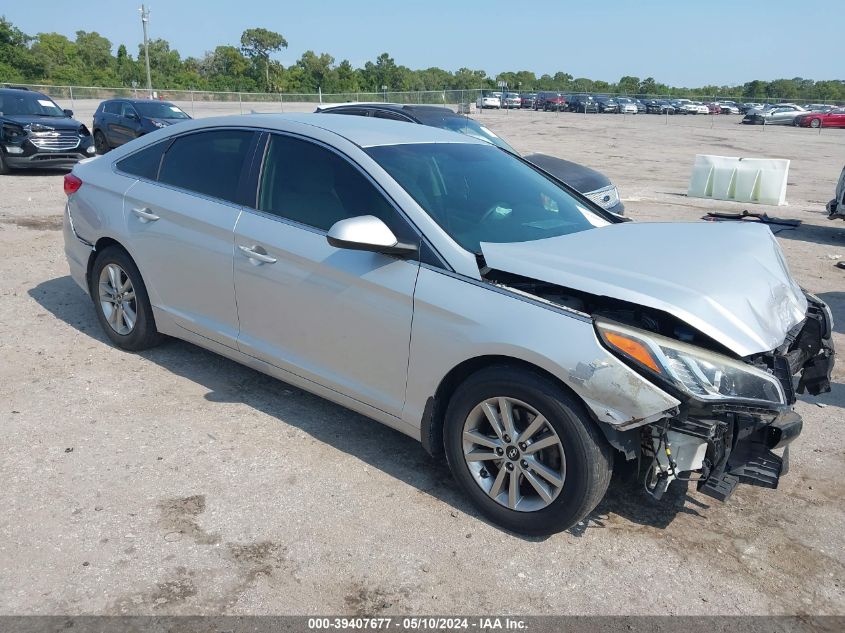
x=117, y=121
x=589, y=182
x=36, y=132
x=583, y=103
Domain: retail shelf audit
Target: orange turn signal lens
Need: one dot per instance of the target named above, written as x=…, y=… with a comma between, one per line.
x=632, y=348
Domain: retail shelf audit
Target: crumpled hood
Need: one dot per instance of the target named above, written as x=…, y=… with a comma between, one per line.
x=55, y=122
x=729, y=281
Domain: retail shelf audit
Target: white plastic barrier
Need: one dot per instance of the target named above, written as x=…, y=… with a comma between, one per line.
x=756, y=180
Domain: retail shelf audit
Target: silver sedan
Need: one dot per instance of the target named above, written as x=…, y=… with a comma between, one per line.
x=454, y=292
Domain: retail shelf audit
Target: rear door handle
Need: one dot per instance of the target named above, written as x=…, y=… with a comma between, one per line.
x=145, y=215
x=257, y=256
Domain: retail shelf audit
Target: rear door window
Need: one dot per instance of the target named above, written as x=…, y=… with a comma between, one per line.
x=208, y=163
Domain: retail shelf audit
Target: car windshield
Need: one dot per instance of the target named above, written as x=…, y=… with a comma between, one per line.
x=478, y=193
x=467, y=126
x=159, y=110
x=29, y=103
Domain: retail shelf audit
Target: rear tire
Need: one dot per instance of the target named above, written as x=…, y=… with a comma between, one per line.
x=574, y=466
x=121, y=301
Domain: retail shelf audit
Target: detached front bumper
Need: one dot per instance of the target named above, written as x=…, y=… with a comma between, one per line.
x=721, y=445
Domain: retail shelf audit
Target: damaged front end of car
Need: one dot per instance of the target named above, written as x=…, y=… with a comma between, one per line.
x=732, y=355
x=734, y=413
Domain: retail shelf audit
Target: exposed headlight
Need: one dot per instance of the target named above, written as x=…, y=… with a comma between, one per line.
x=696, y=371
x=158, y=123
x=37, y=127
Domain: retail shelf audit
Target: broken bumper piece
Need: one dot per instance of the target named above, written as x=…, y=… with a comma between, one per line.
x=753, y=460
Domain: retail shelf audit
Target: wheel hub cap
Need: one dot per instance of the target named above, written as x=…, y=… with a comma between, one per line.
x=117, y=299
x=514, y=454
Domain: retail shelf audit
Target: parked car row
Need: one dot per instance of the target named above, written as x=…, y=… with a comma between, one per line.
x=812, y=115
x=755, y=113
x=584, y=102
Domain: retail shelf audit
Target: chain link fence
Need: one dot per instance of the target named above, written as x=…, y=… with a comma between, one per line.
x=452, y=98
x=432, y=97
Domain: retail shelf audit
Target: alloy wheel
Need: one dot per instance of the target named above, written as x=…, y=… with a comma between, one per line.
x=514, y=454
x=117, y=299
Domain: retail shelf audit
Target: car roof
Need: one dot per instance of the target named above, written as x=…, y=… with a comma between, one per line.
x=134, y=100
x=396, y=107
x=362, y=131
x=16, y=90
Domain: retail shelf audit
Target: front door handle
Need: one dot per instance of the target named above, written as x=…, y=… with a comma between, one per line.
x=257, y=255
x=145, y=215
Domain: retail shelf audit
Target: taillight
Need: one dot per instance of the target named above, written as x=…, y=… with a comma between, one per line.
x=72, y=184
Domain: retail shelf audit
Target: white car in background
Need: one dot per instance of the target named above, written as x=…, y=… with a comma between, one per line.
x=488, y=101
x=627, y=105
x=694, y=107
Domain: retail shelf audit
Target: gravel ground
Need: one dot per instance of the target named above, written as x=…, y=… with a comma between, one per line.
x=177, y=482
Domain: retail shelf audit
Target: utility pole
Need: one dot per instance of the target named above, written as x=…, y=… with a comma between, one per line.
x=145, y=18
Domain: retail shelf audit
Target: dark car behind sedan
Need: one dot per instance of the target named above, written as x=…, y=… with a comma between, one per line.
x=594, y=185
x=118, y=121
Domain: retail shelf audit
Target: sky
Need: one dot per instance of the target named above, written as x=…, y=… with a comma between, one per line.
x=678, y=42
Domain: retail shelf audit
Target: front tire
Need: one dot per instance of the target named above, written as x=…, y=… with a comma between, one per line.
x=525, y=450
x=4, y=167
x=816, y=123
x=100, y=142
x=121, y=301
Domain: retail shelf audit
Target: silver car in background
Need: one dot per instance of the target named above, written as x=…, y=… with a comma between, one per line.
x=451, y=290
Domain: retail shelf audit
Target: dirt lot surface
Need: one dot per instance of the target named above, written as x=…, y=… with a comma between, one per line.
x=176, y=482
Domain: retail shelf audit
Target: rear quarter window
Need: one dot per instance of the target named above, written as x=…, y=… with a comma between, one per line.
x=145, y=163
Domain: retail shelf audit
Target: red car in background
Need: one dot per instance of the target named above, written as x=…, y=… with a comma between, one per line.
x=834, y=118
x=714, y=108
x=553, y=101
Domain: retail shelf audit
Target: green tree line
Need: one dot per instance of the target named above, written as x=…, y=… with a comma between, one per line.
x=89, y=60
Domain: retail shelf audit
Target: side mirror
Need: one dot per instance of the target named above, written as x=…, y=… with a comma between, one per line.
x=68, y=113
x=368, y=233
